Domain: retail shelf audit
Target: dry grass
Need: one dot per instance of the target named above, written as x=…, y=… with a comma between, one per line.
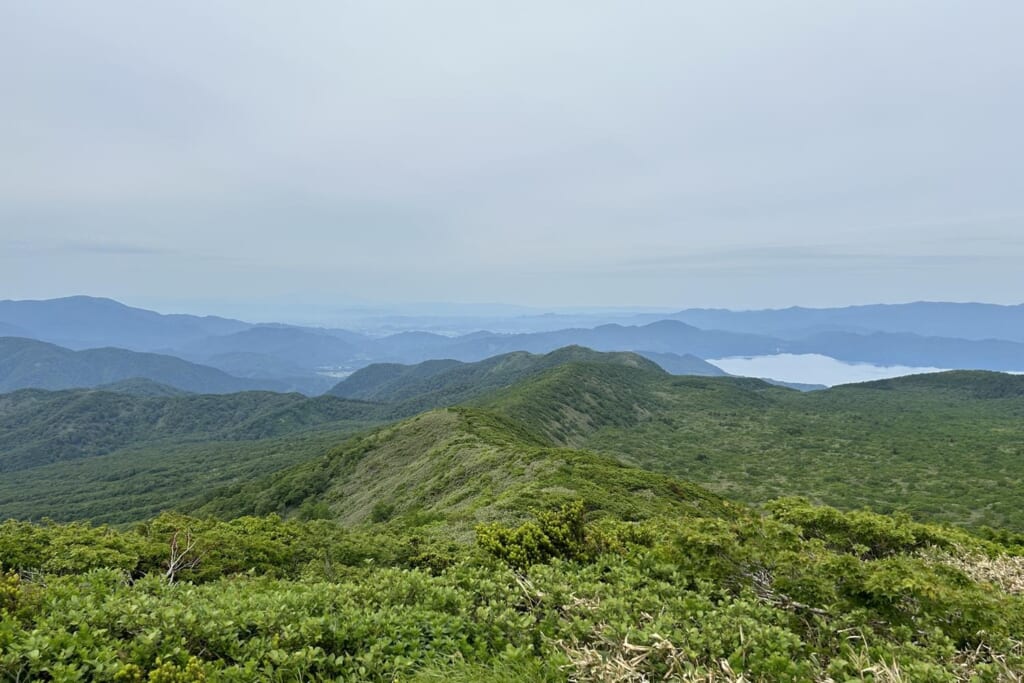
x=607, y=661
x=1004, y=571
x=604, y=660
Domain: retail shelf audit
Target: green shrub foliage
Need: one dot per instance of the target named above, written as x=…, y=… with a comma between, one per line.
x=804, y=593
x=553, y=534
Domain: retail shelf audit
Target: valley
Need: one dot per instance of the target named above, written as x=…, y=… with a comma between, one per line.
x=523, y=517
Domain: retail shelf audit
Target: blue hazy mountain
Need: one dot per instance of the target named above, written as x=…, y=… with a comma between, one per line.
x=686, y=364
x=81, y=322
x=296, y=348
x=309, y=359
x=886, y=348
x=28, y=363
x=931, y=319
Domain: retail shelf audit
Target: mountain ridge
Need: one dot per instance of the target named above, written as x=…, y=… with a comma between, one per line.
x=30, y=363
x=80, y=322
x=942, y=453
x=462, y=465
x=433, y=384
x=305, y=358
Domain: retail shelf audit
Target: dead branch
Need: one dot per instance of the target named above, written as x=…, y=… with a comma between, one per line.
x=182, y=555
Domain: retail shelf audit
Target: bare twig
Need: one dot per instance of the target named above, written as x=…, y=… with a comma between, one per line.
x=182, y=555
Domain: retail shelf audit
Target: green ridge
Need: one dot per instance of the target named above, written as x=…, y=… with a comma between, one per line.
x=414, y=388
x=947, y=447
x=458, y=467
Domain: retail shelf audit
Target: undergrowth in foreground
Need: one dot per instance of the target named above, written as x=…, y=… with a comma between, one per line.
x=802, y=594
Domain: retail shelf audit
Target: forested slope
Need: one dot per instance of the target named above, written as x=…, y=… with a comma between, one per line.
x=948, y=446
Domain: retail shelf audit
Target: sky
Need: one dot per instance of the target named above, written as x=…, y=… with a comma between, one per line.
x=207, y=156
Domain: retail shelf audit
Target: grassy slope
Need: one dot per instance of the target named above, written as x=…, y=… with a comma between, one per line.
x=947, y=447
x=458, y=466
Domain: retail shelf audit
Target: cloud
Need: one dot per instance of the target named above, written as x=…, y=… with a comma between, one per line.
x=771, y=257
x=41, y=247
x=587, y=151
x=113, y=249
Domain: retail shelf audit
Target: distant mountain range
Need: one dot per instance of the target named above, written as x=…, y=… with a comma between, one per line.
x=936, y=319
x=225, y=355
x=28, y=363
x=83, y=322
x=887, y=348
x=925, y=318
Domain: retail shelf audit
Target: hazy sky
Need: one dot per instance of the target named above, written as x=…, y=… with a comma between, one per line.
x=664, y=153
